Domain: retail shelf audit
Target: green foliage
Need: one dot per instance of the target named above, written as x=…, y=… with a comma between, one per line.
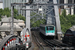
x=0, y=18
x=64, y=13
x=20, y=17
x=37, y=23
x=1, y=11
x=7, y=12
x=66, y=21
x=33, y=13
x=15, y=13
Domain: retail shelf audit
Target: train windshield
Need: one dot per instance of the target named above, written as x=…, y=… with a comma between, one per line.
x=50, y=28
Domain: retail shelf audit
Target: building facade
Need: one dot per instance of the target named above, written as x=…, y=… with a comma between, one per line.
x=7, y=4
x=70, y=9
x=1, y=4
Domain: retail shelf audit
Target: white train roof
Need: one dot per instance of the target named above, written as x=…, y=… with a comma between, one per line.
x=72, y=30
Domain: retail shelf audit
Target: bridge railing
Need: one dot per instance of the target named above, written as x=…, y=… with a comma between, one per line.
x=9, y=41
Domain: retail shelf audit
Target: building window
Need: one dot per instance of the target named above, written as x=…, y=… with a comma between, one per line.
x=70, y=2
x=62, y=2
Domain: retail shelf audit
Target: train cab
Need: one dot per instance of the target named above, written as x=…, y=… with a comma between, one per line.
x=69, y=36
x=47, y=30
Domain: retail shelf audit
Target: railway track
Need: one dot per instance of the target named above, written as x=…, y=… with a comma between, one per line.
x=55, y=44
x=52, y=44
x=41, y=45
x=37, y=41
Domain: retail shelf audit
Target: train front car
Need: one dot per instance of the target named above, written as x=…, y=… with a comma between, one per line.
x=47, y=30
x=50, y=30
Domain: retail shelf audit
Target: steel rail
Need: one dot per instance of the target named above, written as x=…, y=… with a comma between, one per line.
x=39, y=45
x=49, y=44
x=59, y=43
x=53, y=44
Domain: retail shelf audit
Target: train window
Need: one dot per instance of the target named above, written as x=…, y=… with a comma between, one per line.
x=50, y=28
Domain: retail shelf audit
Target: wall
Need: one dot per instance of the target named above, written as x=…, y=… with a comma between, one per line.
x=1, y=5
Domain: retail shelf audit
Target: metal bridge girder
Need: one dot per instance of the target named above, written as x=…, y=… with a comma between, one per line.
x=58, y=26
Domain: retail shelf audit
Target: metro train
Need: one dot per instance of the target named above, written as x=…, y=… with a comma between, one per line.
x=47, y=30
x=69, y=36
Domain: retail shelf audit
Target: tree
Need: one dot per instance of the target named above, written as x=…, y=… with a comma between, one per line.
x=66, y=21
x=20, y=17
x=38, y=22
x=64, y=13
x=6, y=12
x=1, y=11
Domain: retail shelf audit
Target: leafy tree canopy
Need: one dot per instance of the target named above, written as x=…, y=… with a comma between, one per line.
x=7, y=12
x=67, y=21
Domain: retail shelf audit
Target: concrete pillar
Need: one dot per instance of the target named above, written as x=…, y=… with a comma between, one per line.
x=67, y=11
x=65, y=2
x=72, y=10
x=57, y=20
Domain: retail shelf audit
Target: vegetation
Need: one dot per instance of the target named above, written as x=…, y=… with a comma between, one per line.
x=4, y=12
x=66, y=21
x=7, y=12
x=36, y=21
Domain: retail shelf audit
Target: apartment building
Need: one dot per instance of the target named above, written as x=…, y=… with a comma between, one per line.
x=1, y=4
x=70, y=9
x=7, y=4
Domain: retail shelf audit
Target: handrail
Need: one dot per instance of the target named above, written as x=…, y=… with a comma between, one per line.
x=5, y=40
